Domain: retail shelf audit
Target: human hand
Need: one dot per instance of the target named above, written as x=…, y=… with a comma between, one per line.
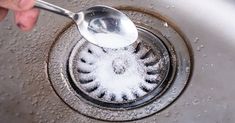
x=25, y=15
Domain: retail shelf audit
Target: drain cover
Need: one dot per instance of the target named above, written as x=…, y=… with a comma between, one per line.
x=122, y=78
x=121, y=84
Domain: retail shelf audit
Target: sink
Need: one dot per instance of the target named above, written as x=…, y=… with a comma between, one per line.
x=28, y=94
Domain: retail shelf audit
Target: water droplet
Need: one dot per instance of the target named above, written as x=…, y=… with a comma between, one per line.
x=159, y=101
x=165, y=24
x=196, y=40
x=198, y=49
x=9, y=27
x=204, y=55
x=177, y=113
x=31, y=112
x=11, y=76
x=209, y=99
x=52, y=111
x=35, y=30
x=13, y=42
x=212, y=65
x=187, y=69
x=167, y=114
x=17, y=114
x=195, y=102
x=202, y=46
x=151, y=5
x=16, y=34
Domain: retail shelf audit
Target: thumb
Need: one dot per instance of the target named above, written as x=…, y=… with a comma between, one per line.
x=17, y=5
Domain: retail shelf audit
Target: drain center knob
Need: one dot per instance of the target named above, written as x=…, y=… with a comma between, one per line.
x=119, y=65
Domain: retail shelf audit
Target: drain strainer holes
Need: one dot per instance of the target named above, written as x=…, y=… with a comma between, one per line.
x=120, y=84
x=120, y=78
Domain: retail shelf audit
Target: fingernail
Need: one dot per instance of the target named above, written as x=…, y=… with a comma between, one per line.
x=22, y=3
x=21, y=26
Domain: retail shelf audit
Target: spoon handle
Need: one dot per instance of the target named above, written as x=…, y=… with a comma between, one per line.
x=53, y=8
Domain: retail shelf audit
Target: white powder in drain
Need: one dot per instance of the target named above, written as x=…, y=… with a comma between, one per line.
x=119, y=84
x=117, y=72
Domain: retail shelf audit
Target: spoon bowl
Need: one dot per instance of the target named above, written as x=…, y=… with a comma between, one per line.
x=101, y=25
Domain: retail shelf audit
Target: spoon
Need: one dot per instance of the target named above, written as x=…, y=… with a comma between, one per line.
x=101, y=25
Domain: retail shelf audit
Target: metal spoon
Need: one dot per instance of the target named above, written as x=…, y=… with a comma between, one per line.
x=100, y=25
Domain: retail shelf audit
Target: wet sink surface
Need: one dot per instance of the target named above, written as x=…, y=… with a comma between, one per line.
x=26, y=94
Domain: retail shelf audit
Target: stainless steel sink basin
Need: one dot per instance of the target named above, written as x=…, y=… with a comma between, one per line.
x=27, y=95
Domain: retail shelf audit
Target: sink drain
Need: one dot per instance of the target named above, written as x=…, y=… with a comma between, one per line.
x=122, y=84
x=122, y=78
